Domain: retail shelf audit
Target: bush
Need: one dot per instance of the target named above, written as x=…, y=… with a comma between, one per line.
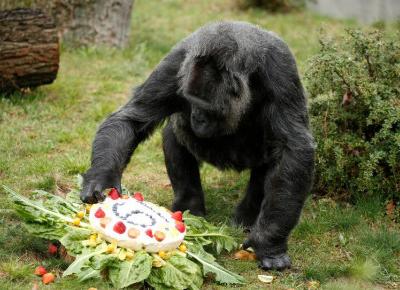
x=354, y=88
x=273, y=5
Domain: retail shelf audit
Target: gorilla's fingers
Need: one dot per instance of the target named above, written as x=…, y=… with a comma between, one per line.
x=278, y=262
x=92, y=193
x=98, y=193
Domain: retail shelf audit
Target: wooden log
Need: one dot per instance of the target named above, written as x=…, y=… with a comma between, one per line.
x=85, y=22
x=98, y=22
x=29, y=49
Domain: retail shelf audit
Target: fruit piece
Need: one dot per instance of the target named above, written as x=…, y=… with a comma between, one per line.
x=111, y=248
x=182, y=248
x=125, y=196
x=48, y=278
x=138, y=196
x=252, y=257
x=52, y=249
x=159, y=236
x=133, y=233
x=242, y=255
x=104, y=222
x=88, y=207
x=177, y=215
x=76, y=221
x=180, y=226
x=80, y=214
x=119, y=227
x=114, y=194
x=149, y=232
x=162, y=254
x=40, y=271
x=122, y=255
x=100, y=213
x=129, y=254
x=265, y=278
x=92, y=240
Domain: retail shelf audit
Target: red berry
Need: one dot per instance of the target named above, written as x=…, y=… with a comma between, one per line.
x=138, y=196
x=149, y=232
x=180, y=226
x=177, y=215
x=100, y=213
x=114, y=194
x=40, y=271
x=52, y=249
x=119, y=227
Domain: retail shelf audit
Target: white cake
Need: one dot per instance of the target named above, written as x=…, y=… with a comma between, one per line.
x=137, y=224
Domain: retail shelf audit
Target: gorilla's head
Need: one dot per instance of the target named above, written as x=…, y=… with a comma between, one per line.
x=217, y=97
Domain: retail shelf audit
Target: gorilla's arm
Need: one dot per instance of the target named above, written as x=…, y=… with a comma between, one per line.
x=290, y=178
x=122, y=131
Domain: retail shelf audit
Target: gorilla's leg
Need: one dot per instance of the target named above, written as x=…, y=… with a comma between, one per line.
x=183, y=171
x=285, y=191
x=248, y=209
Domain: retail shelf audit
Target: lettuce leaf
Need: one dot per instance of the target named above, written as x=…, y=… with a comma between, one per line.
x=177, y=273
x=81, y=260
x=125, y=273
x=202, y=232
x=207, y=260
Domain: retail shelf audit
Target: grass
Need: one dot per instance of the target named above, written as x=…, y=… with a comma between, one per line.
x=45, y=139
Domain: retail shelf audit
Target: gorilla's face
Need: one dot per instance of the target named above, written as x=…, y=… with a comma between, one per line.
x=206, y=124
x=217, y=99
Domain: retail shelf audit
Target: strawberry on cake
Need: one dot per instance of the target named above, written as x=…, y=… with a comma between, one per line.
x=137, y=224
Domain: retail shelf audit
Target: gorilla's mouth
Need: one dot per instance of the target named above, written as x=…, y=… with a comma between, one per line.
x=203, y=130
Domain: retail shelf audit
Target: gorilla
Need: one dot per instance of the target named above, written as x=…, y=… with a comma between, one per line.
x=231, y=96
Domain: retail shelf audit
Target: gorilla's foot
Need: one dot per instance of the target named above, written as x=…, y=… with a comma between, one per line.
x=267, y=260
x=275, y=262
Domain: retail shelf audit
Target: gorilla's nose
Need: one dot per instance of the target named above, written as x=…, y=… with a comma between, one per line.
x=199, y=118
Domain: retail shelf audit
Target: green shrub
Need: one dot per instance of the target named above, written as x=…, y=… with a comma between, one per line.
x=354, y=88
x=273, y=5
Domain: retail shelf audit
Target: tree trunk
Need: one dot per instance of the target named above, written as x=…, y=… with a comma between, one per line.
x=85, y=22
x=101, y=22
x=29, y=49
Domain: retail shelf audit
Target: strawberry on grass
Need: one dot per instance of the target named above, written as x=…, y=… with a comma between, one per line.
x=40, y=271
x=48, y=278
x=52, y=249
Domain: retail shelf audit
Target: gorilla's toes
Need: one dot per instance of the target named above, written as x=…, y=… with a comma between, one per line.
x=275, y=262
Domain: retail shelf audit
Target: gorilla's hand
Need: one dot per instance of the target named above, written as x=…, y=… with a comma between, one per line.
x=95, y=183
x=268, y=260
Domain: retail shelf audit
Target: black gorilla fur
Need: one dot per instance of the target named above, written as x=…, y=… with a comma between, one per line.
x=233, y=98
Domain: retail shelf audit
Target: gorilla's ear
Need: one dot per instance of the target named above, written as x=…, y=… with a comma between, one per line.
x=203, y=73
